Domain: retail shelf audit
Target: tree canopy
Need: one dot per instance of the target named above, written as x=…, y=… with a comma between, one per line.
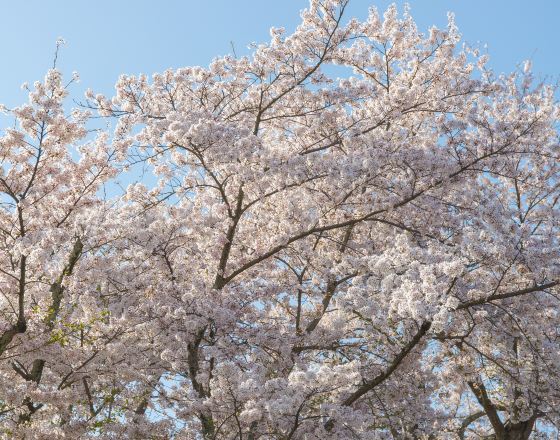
x=352, y=233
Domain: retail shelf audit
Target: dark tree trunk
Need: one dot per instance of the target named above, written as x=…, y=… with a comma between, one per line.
x=519, y=431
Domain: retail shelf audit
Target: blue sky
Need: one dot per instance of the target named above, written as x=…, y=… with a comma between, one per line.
x=108, y=37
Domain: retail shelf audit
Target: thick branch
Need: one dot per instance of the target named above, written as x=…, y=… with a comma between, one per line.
x=329, y=293
x=219, y=282
x=481, y=395
x=477, y=302
x=57, y=289
x=193, y=366
x=468, y=421
x=21, y=325
x=371, y=384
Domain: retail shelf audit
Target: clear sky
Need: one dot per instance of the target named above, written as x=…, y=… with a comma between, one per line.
x=108, y=37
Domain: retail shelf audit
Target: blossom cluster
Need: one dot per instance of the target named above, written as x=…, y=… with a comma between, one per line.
x=295, y=255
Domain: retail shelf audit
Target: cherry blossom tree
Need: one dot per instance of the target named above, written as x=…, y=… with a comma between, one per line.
x=352, y=233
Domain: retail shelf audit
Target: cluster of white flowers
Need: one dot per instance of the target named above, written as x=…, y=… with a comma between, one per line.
x=373, y=256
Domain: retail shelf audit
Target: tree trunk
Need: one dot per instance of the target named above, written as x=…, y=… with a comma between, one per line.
x=519, y=431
